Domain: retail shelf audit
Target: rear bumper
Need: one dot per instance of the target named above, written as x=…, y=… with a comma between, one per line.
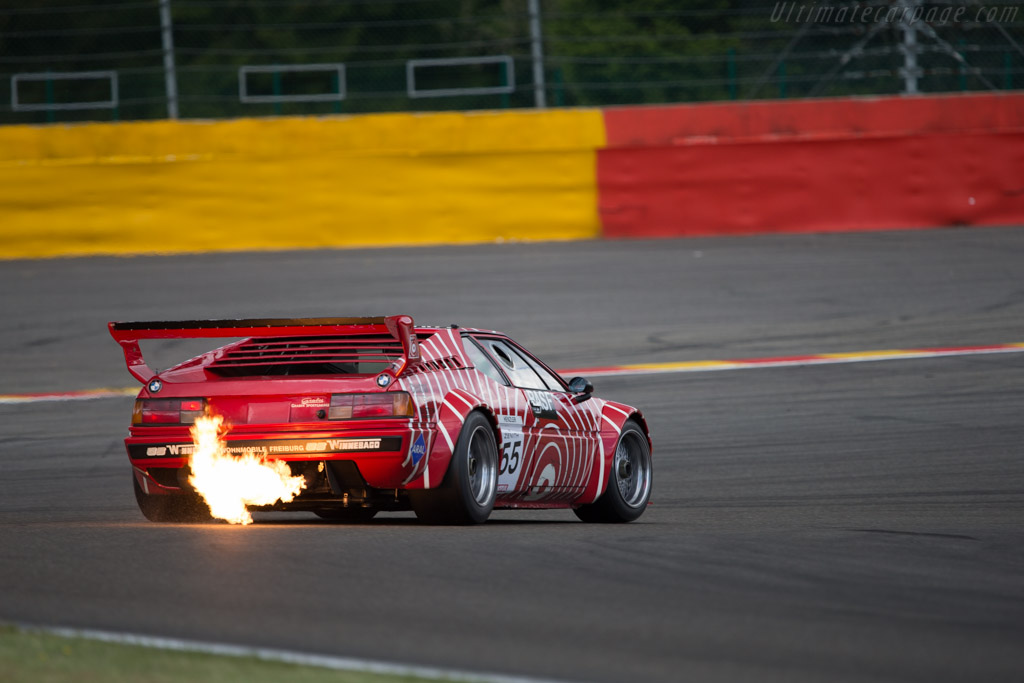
x=383, y=456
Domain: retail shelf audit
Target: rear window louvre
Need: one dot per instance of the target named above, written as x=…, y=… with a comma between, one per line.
x=350, y=354
x=448, y=362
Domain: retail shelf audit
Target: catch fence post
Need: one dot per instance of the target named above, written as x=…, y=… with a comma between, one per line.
x=170, y=75
x=537, y=54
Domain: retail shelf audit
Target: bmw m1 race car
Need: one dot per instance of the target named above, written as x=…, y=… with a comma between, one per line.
x=371, y=414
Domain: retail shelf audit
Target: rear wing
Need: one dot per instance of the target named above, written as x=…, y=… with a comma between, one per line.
x=128, y=334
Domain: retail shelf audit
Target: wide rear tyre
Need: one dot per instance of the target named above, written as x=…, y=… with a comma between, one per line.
x=346, y=515
x=629, y=483
x=467, y=493
x=186, y=508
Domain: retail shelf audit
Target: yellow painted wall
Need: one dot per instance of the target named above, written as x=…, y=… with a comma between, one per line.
x=285, y=183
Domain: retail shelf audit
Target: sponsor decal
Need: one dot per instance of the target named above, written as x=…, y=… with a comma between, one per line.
x=510, y=452
x=312, y=402
x=419, y=449
x=542, y=403
x=274, y=447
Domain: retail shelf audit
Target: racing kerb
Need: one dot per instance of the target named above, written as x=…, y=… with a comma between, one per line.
x=561, y=174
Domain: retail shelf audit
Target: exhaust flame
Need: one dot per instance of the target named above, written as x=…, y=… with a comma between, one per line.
x=228, y=483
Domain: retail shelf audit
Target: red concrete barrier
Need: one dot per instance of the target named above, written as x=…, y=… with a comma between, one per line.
x=812, y=166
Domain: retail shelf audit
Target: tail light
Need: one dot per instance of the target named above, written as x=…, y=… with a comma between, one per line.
x=167, y=411
x=356, y=406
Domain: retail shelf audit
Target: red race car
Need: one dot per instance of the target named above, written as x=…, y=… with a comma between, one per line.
x=358, y=415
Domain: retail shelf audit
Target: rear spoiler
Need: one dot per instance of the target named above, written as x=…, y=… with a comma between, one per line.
x=128, y=334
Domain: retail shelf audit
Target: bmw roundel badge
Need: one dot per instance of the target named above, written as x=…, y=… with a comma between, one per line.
x=154, y=385
x=383, y=380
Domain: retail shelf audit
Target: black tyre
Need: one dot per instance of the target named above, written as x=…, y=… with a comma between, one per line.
x=346, y=515
x=186, y=508
x=467, y=493
x=629, y=482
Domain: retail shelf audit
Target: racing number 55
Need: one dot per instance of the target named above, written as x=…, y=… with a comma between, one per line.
x=510, y=455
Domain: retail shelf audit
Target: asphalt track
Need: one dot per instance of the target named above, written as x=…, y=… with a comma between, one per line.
x=834, y=523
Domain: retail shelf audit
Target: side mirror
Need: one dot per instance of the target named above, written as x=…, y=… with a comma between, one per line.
x=582, y=387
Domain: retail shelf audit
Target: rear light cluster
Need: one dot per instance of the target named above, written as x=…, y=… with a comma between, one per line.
x=356, y=406
x=167, y=411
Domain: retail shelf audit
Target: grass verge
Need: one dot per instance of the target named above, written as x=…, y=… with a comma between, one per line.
x=38, y=657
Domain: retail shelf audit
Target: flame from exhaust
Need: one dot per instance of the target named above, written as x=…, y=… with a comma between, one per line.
x=228, y=483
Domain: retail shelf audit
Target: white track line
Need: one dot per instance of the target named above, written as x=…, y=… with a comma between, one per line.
x=284, y=656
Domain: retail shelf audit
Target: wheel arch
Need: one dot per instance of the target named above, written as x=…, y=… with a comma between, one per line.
x=642, y=421
x=453, y=410
x=614, y=417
